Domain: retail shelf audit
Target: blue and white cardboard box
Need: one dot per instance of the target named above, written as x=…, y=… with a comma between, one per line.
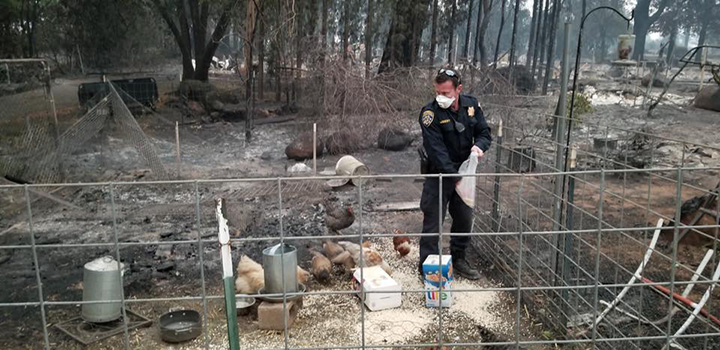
x=436, y=272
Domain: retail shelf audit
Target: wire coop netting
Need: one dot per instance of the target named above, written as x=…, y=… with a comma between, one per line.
x=35, y=151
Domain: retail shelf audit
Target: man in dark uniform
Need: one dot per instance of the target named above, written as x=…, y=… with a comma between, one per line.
x=453, y=127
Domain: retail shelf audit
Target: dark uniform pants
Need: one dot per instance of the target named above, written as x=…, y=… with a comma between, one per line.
x=461, y=218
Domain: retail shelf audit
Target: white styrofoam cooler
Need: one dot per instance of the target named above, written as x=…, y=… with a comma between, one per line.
x=375, y=280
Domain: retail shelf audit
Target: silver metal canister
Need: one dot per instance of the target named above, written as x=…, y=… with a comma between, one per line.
x=274, y=259
x=102, y=282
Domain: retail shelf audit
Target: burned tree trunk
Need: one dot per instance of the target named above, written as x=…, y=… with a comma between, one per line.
x=346, y=29
x=250, y=21
x=514, y=36
x=502, y=24
x=194, y=24
x=550, y=62
x=643, y=21
x=299, y=32
x=404, y=29
x=468, y=31
x=323, y=35
x=542, y=42
x=451, y=37
x=323, y=32
x=487, y=7
x=368, y=38
x=261, y=58
x=533, y=30
x=477, y=31
x=433, y=33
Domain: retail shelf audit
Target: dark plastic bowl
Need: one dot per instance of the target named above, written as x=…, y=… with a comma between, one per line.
x=179, y=326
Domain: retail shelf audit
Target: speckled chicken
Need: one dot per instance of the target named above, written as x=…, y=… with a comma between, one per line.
x=338, y=216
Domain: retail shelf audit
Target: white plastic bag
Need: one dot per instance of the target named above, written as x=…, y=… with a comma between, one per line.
x=466, y=186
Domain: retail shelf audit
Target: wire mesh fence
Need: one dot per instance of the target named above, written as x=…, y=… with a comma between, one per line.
x=38, y=151
x=585, y=267
x=541, y=277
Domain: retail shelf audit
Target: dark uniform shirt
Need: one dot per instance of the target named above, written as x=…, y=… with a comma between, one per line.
x=447, y=148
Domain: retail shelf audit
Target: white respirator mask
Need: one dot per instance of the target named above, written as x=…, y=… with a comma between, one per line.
x=444, y=102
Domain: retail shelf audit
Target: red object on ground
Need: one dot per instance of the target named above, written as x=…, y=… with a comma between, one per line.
x=683, y=299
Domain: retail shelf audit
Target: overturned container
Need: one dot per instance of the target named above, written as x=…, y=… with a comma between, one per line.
x=101, y=282
x=350, y=166
x=280, y=265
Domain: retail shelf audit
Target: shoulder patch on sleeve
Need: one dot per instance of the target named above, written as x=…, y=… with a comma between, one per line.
x=427, y=117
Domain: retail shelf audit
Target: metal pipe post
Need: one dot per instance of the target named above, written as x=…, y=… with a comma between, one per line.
x=568, y=238
x=496, y=190
x=560, y=113
x=228, y=282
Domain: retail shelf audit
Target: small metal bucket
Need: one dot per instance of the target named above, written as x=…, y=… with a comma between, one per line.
x=350, y=166
x=275, y=259
x=101, y=282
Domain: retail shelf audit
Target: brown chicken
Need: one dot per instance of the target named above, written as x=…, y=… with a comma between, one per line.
x=321, y=267
x=332, y=249
x=338, y=217
x=370, y=257
x=345, y=260
x=401, y=243
x=251, y=276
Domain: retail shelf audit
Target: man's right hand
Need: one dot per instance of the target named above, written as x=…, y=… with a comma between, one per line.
x=478, y=151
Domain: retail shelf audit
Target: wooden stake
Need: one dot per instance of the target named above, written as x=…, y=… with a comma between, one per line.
x=314, y=148
x=177, y=147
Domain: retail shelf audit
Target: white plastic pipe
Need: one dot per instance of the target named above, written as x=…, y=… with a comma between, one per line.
x=635, y=277
x=698, y=306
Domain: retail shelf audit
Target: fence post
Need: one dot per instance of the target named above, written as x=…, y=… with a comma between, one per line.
x=498, y=169
x=568, y=240
x=177, y=147
x=560, y=115
x=314, y=149
x=228, y=282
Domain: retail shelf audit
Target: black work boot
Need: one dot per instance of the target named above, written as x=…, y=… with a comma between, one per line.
x=464, y=269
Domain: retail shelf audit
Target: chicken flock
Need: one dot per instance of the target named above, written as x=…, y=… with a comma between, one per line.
x=342, y=256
